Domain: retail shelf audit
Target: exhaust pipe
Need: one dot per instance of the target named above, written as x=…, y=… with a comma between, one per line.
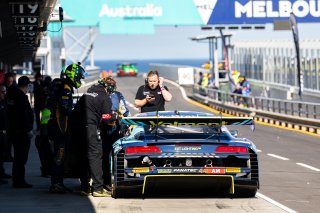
x=167, y=163
x=208, y=163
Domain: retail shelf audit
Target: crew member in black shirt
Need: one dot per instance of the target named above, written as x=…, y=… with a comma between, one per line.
x=153, y=95
x=20, y=129
x=93, y=109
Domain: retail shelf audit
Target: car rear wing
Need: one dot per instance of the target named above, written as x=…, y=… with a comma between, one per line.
x=190, y=121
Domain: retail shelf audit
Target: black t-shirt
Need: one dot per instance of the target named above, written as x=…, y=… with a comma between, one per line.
x=91, y=106
x=157, y=104
x=39, y=95
x=19, y=111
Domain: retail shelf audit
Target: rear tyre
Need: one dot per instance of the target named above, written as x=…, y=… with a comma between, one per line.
x=117, y=173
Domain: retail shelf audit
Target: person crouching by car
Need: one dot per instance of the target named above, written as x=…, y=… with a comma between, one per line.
x=92, y=109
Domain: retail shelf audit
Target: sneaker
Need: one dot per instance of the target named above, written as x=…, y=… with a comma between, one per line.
x=85, y=192
x=107, y=187
x=102, y=193
x=59, y=188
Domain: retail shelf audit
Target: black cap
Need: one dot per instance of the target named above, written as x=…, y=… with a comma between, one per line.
x=23, y=81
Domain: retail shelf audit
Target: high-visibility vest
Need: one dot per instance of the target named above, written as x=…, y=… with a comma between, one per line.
x=45, y=116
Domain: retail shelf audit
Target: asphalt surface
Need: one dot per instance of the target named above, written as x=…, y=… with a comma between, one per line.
x=285, y=185
x=289, y=160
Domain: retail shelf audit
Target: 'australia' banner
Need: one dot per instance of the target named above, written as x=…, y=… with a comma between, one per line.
x=262, y=11
x=141, y=16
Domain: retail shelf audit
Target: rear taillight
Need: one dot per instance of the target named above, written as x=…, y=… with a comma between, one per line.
x=142, y=149
x=232, y=149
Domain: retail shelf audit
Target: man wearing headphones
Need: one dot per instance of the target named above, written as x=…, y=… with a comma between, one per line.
x=153, y=95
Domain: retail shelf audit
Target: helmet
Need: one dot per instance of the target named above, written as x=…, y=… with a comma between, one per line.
x=75, y=72
x=109, y=83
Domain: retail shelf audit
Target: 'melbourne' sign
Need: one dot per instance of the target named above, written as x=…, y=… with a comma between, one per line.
x=261, y=11
x=140, y=16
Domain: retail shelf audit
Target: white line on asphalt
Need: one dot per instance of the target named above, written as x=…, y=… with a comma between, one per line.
x=258, y=150
x=183, y=92
x=309, y=167
x=277, y=156
x=275, y=203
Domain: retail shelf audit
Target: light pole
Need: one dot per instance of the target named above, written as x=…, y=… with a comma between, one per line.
x=295, y=33
x=213, y=55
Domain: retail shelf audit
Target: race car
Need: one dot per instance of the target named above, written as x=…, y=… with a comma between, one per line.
x=171, y=146
x=127, y=69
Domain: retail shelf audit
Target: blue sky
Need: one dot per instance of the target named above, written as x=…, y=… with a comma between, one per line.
x=168, y=41
x=174, y=42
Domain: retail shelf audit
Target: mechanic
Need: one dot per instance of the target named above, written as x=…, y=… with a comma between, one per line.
x=92, y=110
x=20, y=128
x=60, y=104
x=41, y=140
x=153, y=95
x=112, y=131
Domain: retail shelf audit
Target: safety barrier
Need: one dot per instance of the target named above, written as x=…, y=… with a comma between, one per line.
x=292, y=114
x=93, y=74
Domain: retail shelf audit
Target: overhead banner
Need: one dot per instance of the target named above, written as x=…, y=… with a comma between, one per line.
x=131, y=16
x=262, y=12
x=140, y=16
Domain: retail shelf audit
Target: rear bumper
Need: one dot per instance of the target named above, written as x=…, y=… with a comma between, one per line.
x=226, y=182
x=246, y=184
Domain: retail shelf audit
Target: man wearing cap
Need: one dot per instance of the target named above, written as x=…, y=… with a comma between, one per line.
x=20, y=126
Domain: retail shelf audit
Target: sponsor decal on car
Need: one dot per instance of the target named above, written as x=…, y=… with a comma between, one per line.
x=233, y=170
x=164, y=170
x=185, y=170
x=187, y=148
x=213, y=170
x=140, y=170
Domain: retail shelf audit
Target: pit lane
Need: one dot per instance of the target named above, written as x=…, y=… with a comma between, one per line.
x=293, y=182
x=285, y=186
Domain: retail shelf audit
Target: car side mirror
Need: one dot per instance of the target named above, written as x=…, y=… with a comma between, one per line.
x=234, y=133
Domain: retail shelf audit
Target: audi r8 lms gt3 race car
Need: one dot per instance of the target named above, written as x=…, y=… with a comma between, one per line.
x=172, y=146
x=127, y=69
